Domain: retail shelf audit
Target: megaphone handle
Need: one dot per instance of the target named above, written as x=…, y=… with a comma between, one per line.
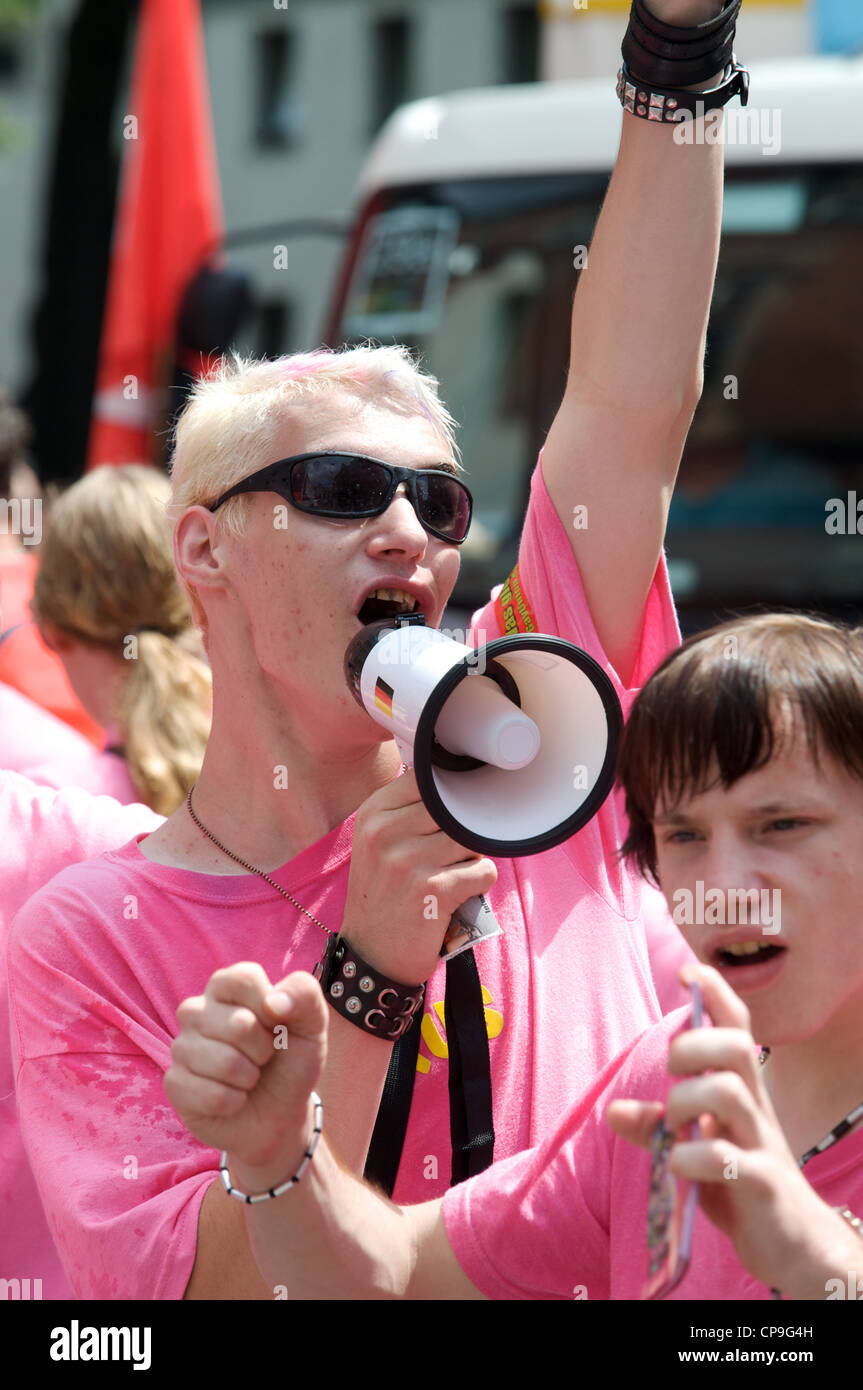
x=406, y=752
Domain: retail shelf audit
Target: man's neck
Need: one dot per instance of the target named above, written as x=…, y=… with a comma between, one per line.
x=264, y=810
x=816, y=1083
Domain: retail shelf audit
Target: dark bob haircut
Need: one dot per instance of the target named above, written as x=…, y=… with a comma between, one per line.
x=708, y=714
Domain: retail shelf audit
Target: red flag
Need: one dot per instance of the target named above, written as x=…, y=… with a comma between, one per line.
x=169, y=221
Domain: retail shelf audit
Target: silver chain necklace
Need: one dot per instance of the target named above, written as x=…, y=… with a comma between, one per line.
x=252, y=869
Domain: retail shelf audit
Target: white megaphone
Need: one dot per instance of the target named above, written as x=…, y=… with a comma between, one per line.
x=513, y=744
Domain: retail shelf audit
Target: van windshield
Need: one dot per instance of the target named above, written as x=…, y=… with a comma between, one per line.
x=478, y=276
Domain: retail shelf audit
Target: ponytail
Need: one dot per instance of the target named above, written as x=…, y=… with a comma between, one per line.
x=107, y=579
x=164, y=717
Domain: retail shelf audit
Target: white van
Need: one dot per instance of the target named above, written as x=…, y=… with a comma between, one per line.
x=474, y=214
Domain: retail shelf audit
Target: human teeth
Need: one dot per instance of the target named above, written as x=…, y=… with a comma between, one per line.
x=394, y=596
x=743, y=948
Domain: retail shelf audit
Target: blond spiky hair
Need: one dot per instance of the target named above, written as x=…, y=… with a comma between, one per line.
x=229, y=425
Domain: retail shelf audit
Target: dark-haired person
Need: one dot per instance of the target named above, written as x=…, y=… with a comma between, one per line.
x=743, y=771
x=300, y=827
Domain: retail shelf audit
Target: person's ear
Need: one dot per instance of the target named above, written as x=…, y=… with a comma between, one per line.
x=199, y=550
x=55, y=639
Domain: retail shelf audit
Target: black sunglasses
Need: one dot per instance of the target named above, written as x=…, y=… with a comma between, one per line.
x=351, y=485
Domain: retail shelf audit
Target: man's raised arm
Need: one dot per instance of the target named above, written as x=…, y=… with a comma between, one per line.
x=636, y=363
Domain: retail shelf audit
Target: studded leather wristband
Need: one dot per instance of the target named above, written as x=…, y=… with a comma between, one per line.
x=671, y=103
x=364, y=995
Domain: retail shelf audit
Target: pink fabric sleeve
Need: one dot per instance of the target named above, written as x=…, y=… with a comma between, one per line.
x=120, y=1178
x=41, y=833
x=101, y=774
x=667, y=949
x=28, y=732
x=551, y=584
x=539, y=1225
x=545, y=593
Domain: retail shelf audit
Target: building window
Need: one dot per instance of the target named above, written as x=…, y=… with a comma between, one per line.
x=277, y=123
x=521, y=43
x=390, y=68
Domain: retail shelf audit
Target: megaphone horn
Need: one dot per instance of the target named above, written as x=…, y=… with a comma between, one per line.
x=514, y=743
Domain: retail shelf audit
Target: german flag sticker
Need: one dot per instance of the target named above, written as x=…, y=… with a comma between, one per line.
x=384, y=697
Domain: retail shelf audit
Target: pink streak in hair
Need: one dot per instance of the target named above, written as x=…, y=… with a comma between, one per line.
x=302, y=363
x=306, y=363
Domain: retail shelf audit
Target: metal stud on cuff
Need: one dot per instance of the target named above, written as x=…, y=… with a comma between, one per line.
x=363, y=995
x=283, y=1187
x=656, y=103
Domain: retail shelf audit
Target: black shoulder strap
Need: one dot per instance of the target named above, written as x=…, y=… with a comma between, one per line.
x=471, y=1122
x=470, y=1108
x=388, y=1137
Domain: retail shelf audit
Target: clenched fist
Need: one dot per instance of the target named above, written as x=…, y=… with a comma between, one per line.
x=248, y=1055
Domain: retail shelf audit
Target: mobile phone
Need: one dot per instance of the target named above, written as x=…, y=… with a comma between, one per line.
x=671, y=1201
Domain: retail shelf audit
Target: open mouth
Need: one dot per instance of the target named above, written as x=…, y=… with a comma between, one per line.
x=746, y=953
x=387, y=603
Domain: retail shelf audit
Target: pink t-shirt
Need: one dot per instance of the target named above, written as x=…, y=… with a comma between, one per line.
x=41, y=832
x=104, y=773
x=100, y=961
x=569, y=1220
x=667, y=950
x=28, y=733
x=546, y=586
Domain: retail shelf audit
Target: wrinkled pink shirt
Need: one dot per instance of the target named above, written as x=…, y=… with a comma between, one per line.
x=570, y=1219
x=41, y=832
x=100, y=961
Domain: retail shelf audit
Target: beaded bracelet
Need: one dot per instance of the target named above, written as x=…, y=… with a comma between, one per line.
x=283, y=1187
x=851, y=1219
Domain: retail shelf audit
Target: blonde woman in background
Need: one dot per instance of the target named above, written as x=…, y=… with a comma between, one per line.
x=107, y=601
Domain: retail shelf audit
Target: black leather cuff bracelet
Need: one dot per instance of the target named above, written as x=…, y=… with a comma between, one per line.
x=364, y=995
x=667, y=55
x=665, y=104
